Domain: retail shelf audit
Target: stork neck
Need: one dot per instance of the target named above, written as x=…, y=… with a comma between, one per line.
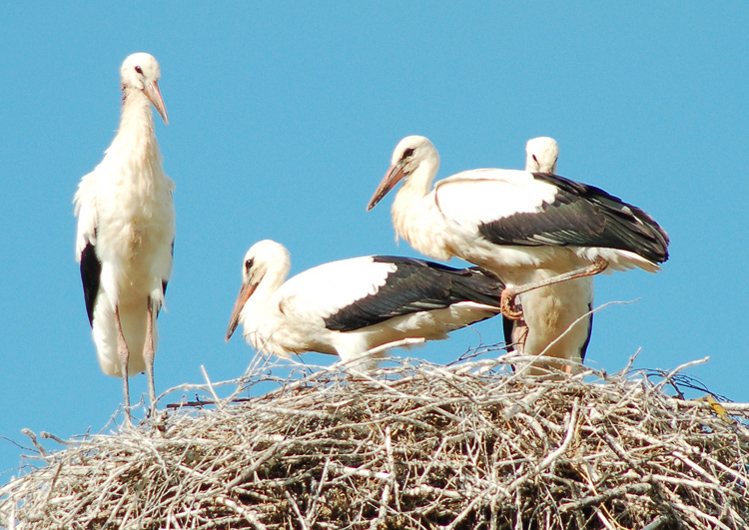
x=413, y=202
x=257, y=305
x=417, y=219
x=419, y=182
x=136, y=133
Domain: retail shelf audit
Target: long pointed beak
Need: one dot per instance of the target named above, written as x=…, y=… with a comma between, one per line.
x=391, y=178
x=244, y=294
x=154, y=94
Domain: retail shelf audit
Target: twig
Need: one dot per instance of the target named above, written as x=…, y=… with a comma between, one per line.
x=216, y=400
x=249, y=516
x=32, y=436
x=669, y=377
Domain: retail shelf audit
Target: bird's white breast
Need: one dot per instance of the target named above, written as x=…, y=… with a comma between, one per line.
x=135, y=226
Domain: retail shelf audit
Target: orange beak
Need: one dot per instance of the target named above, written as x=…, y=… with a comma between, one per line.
x=391, y=178
x=244, y=294
x=154, y=94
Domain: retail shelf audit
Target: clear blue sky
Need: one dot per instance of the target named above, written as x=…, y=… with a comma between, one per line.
x=283, y=119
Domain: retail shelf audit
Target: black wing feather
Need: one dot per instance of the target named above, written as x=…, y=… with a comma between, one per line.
x=584, y=348
x=164, y=283
x=582, y=215
x=417, y=285
x=91, y=277
x=508, y=326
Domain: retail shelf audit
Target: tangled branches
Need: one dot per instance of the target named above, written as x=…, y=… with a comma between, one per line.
x=414, y=446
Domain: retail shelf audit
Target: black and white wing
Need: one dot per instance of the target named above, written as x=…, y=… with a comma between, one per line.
x=415, y=285
x=509, y=207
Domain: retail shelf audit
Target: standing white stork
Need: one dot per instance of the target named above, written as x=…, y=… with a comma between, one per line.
x=573, y=323
x=525, y=227
x=125, y=234
x=355, y=308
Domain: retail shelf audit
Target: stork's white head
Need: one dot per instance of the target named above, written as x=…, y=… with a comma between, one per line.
x=541, y=155
x=262, y=258
x=409, y=155
x=141, y=71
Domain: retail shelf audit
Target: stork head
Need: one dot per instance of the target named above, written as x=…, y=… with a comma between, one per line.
x=140, y=71
x=264, y=258
x=541, y=155
x=409, y=154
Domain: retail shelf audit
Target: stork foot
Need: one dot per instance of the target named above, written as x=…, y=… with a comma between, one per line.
x=597, y=267
x=507, y=304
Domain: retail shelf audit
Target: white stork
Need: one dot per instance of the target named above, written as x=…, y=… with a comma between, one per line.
x=355, y=308
x=575, y=323
x=525, y=227
x=125, y=234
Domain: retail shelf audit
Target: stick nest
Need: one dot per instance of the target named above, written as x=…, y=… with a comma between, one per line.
x=415, y=446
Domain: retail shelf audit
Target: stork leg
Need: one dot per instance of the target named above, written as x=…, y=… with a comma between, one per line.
x=519, y=335
x=507, y=298
x=377, y=351
x=123, y=352
x=148, y=356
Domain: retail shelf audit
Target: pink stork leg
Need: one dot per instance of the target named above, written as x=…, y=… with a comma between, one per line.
x=148, y=356
x=507, y=298
x=124, y=354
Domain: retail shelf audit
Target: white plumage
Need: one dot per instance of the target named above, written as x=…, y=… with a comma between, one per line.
x=525, y=227
x=357, y=307
x=126, y=232
x=556, y=312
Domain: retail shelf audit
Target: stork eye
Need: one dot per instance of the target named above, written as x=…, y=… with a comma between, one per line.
x=248, y=265
x=536, y=159
x=407, y=153
x=139, y=70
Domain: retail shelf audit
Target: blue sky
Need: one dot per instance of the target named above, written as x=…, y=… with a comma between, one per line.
x=282, y=122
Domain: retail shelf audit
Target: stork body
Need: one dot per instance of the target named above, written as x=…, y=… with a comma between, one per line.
x=558, y=315
x=355, y=308
x=126, y=232
x=524, y=227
